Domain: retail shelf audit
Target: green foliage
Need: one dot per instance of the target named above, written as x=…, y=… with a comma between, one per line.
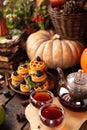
x=30, y=84
x=19, y=14
x=43, y=11
x=15, y=31
x=27, y=61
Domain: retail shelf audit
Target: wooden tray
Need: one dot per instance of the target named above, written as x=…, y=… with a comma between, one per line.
x=72, y=120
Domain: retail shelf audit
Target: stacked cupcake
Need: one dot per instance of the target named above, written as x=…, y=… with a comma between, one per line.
x=31, y=76
x=38, y=74
x=19, y=78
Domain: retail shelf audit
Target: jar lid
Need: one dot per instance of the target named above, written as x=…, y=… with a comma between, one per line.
x=78, y=78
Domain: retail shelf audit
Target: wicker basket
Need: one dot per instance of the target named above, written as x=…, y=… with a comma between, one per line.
x=71, y=26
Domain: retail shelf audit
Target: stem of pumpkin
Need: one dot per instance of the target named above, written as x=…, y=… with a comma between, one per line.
x=56, y=36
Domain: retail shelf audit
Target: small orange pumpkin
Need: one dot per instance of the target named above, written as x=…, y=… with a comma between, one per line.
x=83, y=60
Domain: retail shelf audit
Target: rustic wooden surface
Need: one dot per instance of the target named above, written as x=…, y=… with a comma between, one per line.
x=14, y=106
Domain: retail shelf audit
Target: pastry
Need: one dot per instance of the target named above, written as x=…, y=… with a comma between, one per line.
x=15, y=78
x=15, y=82
x=23, y=69
x=34, y=74
x=42, y=85
x=24, y=88
x=37, y=64
x=38, y=76
x=31, y=72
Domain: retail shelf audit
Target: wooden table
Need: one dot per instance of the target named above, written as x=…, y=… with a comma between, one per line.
x=14, y=106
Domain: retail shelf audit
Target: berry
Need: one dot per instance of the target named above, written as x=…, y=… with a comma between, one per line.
x=17, y=86
x=22, y=81
x=24, y=66
x=15, y=73
x=7, y=93
x=40, y=84
x=38, y=58
x=38, y=73
x=28, y=77
x=31, y=90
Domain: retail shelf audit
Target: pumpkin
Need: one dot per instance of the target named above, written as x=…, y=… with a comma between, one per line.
x=56, y=52
x=83, y=60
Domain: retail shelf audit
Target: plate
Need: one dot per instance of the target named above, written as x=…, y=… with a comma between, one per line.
x=50, y=78
x=18, y=91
